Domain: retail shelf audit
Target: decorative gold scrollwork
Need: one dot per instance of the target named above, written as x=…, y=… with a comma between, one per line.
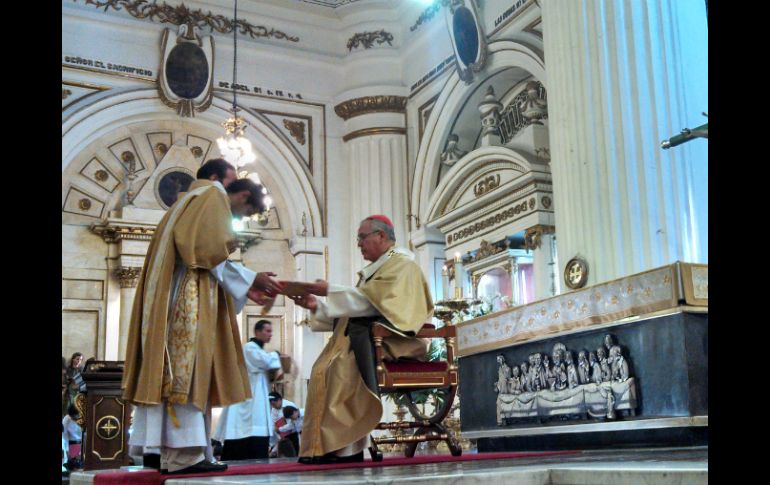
x=80, y=405
x=486, y=184
x=296, y=130
x=370, y=104
x=182, y=15
x=367, y=39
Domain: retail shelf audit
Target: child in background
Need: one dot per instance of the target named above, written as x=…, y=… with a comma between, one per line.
x=290, y=426
x=73, y=434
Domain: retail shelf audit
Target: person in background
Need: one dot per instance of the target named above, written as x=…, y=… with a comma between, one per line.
x=289, y=426
x=64, y=451
x=73, y=433
x=277, y=403
x=245, y=428
x=75, y=382
x=64, y=395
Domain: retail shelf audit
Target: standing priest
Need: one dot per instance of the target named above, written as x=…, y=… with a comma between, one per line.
x=343, y=404
x=184, y=353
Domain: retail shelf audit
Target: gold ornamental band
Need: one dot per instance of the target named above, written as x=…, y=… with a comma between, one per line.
x=371, y=104
x=387, y=130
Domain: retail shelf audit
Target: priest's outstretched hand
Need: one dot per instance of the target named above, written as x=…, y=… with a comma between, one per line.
x=308, y=301
x=259, y=297
x=264, y=283
x=300, y=288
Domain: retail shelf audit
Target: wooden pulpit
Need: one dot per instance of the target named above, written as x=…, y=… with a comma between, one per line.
x=105, y=416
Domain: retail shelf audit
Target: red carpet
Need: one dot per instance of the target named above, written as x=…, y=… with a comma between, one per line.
x=153, y=477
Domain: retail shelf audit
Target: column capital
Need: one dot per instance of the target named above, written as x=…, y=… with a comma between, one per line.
x=426, y=235
x=308, y=245
x=533, y=236
x=128, y=276
x=116, y=230
x=247, y=238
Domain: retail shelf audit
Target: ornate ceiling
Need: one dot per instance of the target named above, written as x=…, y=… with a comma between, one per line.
x=330, y=3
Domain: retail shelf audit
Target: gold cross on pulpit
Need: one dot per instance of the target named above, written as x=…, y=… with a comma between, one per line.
x=107, y=427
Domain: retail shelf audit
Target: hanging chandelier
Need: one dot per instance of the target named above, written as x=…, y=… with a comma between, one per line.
x=234, y=146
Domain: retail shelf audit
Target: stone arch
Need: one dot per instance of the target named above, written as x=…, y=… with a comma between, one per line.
x=112, y=111
x=502, y=55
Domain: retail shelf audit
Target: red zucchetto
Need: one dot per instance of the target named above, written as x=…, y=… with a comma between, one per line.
x=382, y=218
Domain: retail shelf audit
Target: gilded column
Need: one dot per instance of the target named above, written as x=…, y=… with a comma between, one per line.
x=374, y=146
x=128, y=276
x=622, y=76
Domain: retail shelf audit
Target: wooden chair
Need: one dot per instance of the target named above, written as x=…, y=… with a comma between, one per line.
x=405, y=377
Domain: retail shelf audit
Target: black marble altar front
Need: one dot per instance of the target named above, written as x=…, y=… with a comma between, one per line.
x=667, y=355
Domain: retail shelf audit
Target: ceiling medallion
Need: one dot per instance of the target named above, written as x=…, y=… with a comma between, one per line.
x=576, y=273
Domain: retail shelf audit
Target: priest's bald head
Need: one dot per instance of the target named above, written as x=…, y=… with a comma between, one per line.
x=375, y=237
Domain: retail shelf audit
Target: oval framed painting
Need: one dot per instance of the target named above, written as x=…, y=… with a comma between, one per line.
x=170, y=183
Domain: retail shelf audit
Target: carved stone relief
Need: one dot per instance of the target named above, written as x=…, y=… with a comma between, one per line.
x=598, y=386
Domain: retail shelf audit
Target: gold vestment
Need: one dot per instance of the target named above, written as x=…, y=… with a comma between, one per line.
x=190, y=353
x=340, y=408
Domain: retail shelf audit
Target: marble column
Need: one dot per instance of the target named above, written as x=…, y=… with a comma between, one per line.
x=539, y=239
x=310, y=263
x=374, y=147
x=512, y=266
x=622, y=76
x=128, y=276
x=428, y=244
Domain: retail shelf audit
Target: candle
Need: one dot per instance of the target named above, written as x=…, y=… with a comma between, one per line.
x=458, y=293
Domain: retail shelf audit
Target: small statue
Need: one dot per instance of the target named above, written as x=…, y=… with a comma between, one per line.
x=601, y=356
x=514, y=383
x=534, y=372
x=558, y=371
x=548, y=375
x=525, y=384
x=596, y=369
x=619, y=364
x=503, y=373
x=584, y=369
x=608, y=342
x=452, y=153
x=540, y=375
x=572, y=374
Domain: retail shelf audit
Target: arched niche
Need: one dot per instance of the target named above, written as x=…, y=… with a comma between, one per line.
x=133, y=114
x=100, y=264
x=484, y=208
x=490, y=182
x=503, y=55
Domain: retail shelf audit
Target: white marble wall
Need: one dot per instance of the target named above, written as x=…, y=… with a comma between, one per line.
x=86, y=288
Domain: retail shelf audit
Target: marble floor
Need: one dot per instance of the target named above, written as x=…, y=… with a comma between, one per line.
x=660, y=466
